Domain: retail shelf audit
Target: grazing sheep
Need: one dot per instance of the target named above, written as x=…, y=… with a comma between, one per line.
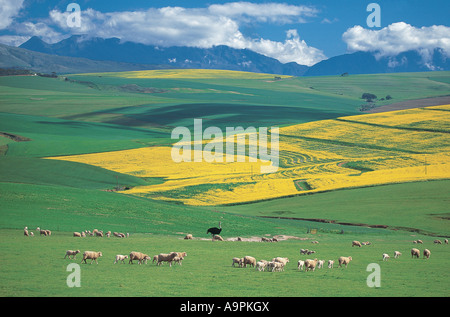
x=357, y=243
x=310, y=264
x=397, y=254
x=315, y=242
x=420, y=241
x=99, y=234
x=437, y=241
x=261, y=265
x=310, y=252
x=25, y=231
x=180, y=257
x=139, y=256
x=303, y=251
x=320, y=264
x=120, y=257
x=344, y=260
x=274, y=240
x=426, y=253
x=188, y=237
x=281, y=260
x=264, y=239
x=108, y=234
x=330, y=264
x=91, y=255
x=118, y=235
x=415, y=253
x=446, y=241
x=31, y=234
x=217, y=237
x=386, y=257
x=155, y=258
x=278, y=266
x=77, y=234
x=166, y=257
x=71, y=253
x=300, y=264
x=239, y=261
x=249, y=260
x=44, y=232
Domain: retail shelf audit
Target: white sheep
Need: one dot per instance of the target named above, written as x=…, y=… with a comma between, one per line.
x=77, y=234
x=120, y=257
x=275, y=266
x=397, y=254
x=344, y=260
x=300, y=264
x=261, y=265
x=188, y=237
x=239, y=261
x=415, y=253
x=249, y=260
x=25, y=231
x=71, y=253
x=281, y=260
x=426, y=253
x=91, y=255
x=310, y=264
x=330, y=264
x=320, y=264
x=166, y=257
x=386, y=257
x=139, y=256
x=356, y=243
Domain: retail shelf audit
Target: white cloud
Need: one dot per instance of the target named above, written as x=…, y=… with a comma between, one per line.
x=13, y=40
x=397, y=38
x=8, y=10
x=199, y=27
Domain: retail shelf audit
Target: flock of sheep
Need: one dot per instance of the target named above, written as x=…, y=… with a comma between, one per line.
x=277, y=264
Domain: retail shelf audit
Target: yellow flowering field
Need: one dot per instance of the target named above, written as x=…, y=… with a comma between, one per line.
x=190, y=74
x=366, y=150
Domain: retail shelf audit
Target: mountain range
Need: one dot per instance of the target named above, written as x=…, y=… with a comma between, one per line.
x=78, y=54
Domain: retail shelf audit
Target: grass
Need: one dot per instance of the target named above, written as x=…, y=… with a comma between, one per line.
x=207, y=271
x=100, y=113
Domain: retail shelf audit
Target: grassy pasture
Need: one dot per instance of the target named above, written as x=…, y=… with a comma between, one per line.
x=207, y=270
x=97, y=114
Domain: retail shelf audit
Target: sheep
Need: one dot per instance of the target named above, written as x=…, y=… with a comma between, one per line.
x=118, y=235
x=120, y=257
x=415, y=253
x=446, y=241
x=366, y=243
x=77, y=234
x=320, y=264
x=310, y=264
x=344, y=260
x=25, y=231
x=357, y=243
x=155, y=258
x=310, y=252
x=108, y=234
x=315, y=242
x=303, y=251
x=278, y=266
x=71, y=253
x=249, y=260
x=300, y=264
x=31, y=234
x=281, y=260
x=99, y=234
x=437, y=241
x=217, y=237
x=166, y=257
x=44, y=232
x=180, y=257
x=188, y=237
x=274, y=240
x=139, y=256
x=420, y=241
x=397, y=254
x=426, y=253
x=330, y=264
x=93, y=256
x=386, y=257
x=239, y=261
x=264, y=239
x=261, y=265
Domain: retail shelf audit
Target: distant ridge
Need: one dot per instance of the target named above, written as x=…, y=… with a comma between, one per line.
x=216, y=57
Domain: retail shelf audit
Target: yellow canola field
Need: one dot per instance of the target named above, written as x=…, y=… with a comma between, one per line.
x=348, y=152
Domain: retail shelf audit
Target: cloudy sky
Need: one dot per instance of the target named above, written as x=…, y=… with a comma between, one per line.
x=305, y=32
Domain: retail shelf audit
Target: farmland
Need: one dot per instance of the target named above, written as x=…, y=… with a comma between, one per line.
x=94, y=151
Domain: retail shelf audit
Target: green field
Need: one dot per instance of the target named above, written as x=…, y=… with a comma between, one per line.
x=97, y=113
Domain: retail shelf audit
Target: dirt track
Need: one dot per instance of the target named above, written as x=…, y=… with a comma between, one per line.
x=409, y=104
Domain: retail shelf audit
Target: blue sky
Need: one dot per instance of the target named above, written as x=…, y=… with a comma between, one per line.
x=301, y=31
